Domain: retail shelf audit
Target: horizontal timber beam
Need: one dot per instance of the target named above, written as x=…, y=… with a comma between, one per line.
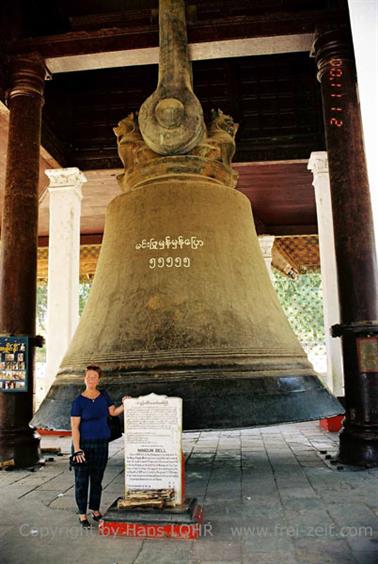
x=85, y=239
x=231, y=36
x=197, y=52
x=292, y=230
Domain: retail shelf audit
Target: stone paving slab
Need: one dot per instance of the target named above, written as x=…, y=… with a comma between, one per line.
x=270, y=495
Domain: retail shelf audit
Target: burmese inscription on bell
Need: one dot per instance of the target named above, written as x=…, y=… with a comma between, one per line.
x=153, y=427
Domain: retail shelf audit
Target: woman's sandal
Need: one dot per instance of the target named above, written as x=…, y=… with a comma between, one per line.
x=96, y=517
x=85, y=523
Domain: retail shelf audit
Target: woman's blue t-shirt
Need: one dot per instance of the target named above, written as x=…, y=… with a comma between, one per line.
x=94, y=416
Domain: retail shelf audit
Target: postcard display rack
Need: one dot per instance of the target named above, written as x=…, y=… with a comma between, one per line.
x=14, y=364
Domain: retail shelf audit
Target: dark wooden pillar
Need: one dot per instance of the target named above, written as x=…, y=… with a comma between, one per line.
x=355, y=246
x=19, y=246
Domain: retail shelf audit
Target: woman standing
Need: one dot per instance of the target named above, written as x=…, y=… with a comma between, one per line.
x=90, y=438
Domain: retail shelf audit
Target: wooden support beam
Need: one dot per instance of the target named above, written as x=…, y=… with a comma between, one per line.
x=198, y=51
x=292, y=229
x=356, y=257
x=18, y=264
x=229, y=36
x=85, y=239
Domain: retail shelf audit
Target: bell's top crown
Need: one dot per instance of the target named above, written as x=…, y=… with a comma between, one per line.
x=210, y=158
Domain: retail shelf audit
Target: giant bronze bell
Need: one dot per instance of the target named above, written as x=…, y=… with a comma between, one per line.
x=181, y=302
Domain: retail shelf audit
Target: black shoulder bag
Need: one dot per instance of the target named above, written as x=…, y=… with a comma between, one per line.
x=114, y=423
x=115, y=426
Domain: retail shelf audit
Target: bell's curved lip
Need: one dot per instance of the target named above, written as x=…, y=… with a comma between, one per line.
x=222, y=403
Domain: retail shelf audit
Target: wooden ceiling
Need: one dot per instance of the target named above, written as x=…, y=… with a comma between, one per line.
x=276, y=101
x=272, y=93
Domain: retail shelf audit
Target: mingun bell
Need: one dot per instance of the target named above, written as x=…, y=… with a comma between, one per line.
x=181, y=302
x=182, y=305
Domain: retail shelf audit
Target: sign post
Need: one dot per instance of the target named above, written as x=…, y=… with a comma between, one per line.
x=154, y=504
x=153, y=452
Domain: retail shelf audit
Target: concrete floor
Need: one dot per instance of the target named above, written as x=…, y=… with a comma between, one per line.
x=269, y=495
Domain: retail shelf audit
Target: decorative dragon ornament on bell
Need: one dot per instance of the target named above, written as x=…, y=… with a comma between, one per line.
x=181, y=302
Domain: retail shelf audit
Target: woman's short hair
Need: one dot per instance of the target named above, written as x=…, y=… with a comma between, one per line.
x=95, y=368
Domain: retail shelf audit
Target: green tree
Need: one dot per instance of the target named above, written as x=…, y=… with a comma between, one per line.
x=40, y=354
x=302, y=301
x=85, y=288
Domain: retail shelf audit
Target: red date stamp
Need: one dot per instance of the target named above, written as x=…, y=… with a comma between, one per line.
x=335, y=77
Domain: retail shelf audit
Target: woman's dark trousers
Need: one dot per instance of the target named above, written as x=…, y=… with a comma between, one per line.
x=96, y=455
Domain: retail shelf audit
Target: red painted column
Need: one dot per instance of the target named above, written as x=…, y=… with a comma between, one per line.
x=354, y=244
x=18, y=266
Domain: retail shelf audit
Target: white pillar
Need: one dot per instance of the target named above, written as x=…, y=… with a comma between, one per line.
x=364, y=24
x=266, y=246
x=64, y=264
x=318, y=164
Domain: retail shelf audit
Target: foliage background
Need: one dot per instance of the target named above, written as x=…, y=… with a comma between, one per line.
x=302, y=301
